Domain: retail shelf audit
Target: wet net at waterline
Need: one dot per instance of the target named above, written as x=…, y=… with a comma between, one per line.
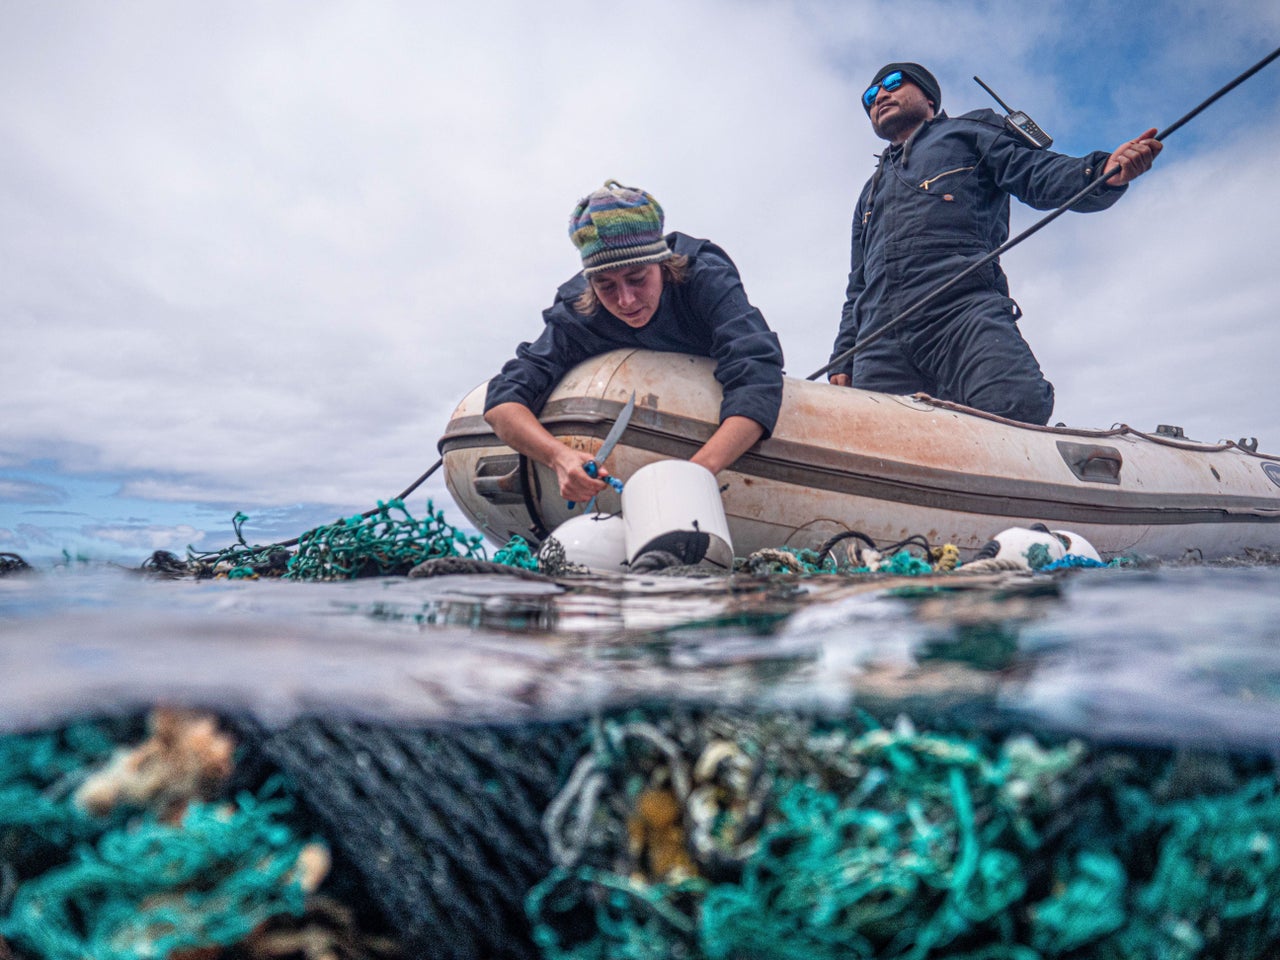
x=391, y=541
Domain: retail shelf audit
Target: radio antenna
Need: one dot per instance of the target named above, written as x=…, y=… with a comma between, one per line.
x=995, y=96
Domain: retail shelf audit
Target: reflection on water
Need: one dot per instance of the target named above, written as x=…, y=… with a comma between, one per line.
x=1168, y=655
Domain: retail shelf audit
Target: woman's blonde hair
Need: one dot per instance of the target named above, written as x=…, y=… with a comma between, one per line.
x=674, y=270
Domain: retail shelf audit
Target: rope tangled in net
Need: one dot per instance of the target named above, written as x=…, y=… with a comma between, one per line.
x=155, y=888
x=770, y=561
x=386, y=541
x=826, y=842
x=776, y=837
x=389, y=541
x=125, y=884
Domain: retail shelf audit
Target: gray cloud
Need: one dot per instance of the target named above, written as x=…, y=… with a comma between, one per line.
x=145, y=537
x=29, y=492
x=29, y=534
x=256, y=256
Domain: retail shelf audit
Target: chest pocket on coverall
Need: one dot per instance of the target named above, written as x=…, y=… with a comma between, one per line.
x=938, y=233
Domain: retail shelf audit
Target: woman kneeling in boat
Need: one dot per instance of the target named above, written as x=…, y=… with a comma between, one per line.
x=640, y=289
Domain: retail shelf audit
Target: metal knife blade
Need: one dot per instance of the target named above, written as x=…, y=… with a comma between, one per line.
x=616, y=431
x=611, y=440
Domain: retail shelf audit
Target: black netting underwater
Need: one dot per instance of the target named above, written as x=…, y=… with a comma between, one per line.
x=442, y=825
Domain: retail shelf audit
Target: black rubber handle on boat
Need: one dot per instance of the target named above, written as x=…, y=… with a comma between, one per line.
x=933, y=294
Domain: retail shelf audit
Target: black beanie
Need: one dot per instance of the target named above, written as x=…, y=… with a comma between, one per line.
x=918, y=75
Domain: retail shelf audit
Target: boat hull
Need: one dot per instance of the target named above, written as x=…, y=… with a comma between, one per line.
x=890, y=467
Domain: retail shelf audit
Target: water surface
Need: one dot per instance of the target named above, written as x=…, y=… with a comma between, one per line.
x=1168, y=655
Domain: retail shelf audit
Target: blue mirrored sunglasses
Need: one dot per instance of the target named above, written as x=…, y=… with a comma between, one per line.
x=890, y=81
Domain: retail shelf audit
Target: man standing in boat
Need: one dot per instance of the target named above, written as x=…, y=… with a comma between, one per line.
x=638, y=288
x=938, y=201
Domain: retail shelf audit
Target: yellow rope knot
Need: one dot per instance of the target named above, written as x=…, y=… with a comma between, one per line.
x=945, y=557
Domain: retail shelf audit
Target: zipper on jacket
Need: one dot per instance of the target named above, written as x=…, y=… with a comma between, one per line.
x=925, y=184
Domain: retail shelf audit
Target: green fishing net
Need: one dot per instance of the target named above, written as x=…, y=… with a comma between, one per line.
x=832, y=839
x=37, y=774
x=678, y=832
x=390, y=541
x=386, y=541
x=154, y=888
x=125, y=885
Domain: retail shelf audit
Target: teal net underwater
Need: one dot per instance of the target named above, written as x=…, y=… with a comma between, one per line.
x=647, y=832
x=652, y=829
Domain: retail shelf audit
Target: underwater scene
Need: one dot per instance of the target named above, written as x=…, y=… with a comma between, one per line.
x=392, y=742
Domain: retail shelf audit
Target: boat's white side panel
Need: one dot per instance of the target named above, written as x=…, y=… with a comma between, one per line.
x=890, y=467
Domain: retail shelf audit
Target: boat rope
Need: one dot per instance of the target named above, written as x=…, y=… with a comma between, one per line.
x=991, y=565
x=402, y=496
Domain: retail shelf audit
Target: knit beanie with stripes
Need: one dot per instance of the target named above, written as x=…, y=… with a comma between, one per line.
x=617, y=226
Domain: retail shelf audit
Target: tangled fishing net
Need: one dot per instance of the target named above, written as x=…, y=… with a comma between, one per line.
x=390, y=541
x=155, y=889
x=673, y=833
x=386, y=541
x=777, y=837
x=109, y=852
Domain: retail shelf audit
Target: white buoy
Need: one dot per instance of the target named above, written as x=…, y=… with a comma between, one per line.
x=1076, y=545
x=1024, y=545
x=596, y=541
x=674, y=507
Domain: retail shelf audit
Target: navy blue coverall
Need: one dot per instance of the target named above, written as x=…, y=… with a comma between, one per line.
x=707, y=314
x=935, y=204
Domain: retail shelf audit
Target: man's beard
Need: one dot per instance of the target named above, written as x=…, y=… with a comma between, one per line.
x=899, y=124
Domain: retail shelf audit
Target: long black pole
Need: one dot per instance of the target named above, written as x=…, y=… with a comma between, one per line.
x=937, y=291
x=369, y=513
x=417, y=483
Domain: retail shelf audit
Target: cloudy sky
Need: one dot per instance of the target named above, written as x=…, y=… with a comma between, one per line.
x=251, y=255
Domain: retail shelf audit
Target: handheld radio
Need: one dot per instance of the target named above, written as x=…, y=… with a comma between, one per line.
x=1020, y=123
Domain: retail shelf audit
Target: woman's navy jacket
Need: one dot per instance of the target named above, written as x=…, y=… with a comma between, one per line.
x=707, y=315
x=938, y=203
